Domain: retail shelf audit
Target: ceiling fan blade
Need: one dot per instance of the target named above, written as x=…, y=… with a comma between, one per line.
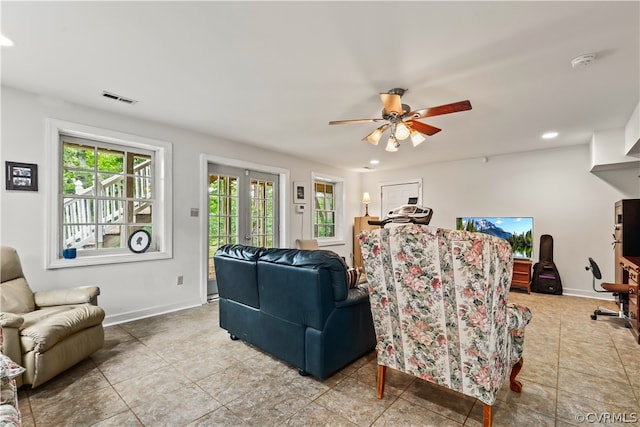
x=392, y=103
x=344, y=122
x=423, y=127
x=441, y=109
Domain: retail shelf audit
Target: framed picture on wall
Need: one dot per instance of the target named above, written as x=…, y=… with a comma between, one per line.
x=300, y=192
x=21, y=176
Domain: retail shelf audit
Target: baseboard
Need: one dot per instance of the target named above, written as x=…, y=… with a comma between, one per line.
x=149, y=312
x=607, y=296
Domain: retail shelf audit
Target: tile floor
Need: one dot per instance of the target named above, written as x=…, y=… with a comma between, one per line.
x=181, y=369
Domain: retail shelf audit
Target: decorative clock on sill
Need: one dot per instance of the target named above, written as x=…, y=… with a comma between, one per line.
x=139, y=241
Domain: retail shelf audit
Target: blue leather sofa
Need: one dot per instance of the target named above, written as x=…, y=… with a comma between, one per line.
x=294, y=304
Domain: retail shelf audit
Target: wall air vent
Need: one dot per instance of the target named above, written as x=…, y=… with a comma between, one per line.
x=118, y=97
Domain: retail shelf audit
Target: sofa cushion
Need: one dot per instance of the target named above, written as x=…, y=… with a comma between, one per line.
x=44, y=328
x=236, y=273
x=17, y=297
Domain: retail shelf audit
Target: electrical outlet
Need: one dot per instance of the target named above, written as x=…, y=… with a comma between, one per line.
x=180, y=280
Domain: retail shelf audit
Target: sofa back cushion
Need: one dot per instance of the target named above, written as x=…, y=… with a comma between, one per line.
x=301, y=286
x=236, y=273
x=17, y=297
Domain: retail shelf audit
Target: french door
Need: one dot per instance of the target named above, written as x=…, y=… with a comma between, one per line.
x=243, y=209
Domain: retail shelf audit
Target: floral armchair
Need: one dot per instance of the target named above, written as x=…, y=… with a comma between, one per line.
x=439, y=304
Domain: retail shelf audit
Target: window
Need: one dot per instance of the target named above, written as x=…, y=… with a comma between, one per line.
x=324, y=214
x=327, y=208
x=104, y=187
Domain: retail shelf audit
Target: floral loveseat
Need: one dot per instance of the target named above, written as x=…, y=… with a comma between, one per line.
x=440, y=311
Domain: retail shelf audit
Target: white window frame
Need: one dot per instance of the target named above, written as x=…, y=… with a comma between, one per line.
x=162, y=215
x=338, y=183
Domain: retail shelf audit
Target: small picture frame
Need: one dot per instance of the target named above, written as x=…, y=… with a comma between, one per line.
x=21, y=176
x=300, y=192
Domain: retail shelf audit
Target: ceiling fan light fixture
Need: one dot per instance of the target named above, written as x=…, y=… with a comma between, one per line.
x=394, y=112
x=374, y=137
x=392, y=145
x=417, y=138
x=402, y=131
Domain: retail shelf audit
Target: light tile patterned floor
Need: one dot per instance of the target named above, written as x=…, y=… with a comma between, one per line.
x=181, y=369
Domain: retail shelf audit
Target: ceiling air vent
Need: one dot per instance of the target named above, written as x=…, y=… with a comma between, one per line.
x=118, y=97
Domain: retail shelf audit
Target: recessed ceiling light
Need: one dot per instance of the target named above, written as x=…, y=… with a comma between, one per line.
x=374, y=162
x=549, y=135
x=5, y=41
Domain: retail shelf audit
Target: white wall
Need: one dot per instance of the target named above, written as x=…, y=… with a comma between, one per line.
x=608, y=151
x=137, y=289
x=632, y=133
x=553, y=186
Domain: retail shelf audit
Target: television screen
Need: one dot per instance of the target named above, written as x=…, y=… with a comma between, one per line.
x=516, y=230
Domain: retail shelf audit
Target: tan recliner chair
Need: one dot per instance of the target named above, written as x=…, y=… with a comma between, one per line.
x=46, y=332
x=310, y=245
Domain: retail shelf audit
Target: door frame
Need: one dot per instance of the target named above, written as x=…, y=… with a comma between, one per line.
x=284, y=198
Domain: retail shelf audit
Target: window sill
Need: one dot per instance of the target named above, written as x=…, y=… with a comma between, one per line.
x=83, y=261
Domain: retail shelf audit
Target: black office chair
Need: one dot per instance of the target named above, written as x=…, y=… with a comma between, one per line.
x=619, y=290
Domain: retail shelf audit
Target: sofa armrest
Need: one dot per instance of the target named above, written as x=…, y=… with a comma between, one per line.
x=355, y=296
x=81, y=295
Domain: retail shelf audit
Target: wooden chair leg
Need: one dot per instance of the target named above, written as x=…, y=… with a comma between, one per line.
x=514, y=384
x=487, y=415
x=382, y=373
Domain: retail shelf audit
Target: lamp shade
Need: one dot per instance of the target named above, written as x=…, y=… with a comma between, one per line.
x=417, y=138
x=392, y=145
x=402, y=131
x=374, y=137
x=366, y=198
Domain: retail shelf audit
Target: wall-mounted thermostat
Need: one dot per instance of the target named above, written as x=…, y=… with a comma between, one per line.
x=301, y=208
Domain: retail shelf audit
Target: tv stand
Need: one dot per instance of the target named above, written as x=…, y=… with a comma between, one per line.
x=521, y=274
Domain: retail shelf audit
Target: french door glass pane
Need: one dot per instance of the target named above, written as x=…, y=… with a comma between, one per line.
x=223, y=211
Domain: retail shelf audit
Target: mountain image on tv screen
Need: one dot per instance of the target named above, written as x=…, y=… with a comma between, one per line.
x=518, y=231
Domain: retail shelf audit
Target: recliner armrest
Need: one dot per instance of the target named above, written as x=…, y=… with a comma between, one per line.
x=80, y=295
x=11, y=320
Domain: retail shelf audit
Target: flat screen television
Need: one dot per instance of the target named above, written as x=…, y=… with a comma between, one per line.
x=518, y=231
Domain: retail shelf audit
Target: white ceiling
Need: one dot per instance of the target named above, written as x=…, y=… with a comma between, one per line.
x=273, y=74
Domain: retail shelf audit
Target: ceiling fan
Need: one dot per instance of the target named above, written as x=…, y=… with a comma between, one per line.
x=402, y=121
